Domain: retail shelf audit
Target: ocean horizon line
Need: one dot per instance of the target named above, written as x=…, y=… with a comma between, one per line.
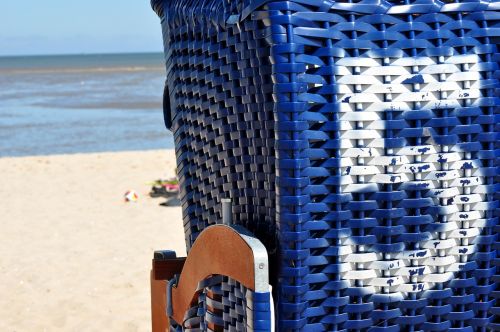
x=77, y=54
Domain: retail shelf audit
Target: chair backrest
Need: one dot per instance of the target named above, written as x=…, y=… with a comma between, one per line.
x=220, y=90
x=359, y=140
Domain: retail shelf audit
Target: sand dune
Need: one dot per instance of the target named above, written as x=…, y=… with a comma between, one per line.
x=74, y=256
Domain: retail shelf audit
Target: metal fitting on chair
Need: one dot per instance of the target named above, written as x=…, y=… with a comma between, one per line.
x=227, y=211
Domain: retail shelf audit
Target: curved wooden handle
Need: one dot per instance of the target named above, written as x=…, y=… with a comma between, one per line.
x=220, y=250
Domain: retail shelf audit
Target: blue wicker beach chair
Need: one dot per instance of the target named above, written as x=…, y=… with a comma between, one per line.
x=345, y=152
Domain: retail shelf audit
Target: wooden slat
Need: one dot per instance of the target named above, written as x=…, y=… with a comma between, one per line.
x=166, y=269
x=163, y=270
x=159, y=319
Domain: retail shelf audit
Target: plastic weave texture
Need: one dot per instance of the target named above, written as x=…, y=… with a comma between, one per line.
x=359, y=140
x=224, y=304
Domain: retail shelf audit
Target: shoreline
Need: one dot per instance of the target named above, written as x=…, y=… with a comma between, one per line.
x=83, y=153
x=75, y=255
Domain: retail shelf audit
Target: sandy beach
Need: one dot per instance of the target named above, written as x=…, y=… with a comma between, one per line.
x=74, y=255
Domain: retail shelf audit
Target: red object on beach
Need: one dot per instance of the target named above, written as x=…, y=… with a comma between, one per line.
x=172, y=187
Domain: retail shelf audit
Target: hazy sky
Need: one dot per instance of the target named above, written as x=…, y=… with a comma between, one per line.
x=78, y=26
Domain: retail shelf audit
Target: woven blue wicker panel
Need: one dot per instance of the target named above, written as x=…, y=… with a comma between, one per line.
x=220, y=89
x=391, y=226
x=365, y=135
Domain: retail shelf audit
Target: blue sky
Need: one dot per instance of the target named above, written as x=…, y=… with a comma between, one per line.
x=31, y=27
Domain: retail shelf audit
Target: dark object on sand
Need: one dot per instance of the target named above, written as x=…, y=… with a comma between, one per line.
x=168, y=189
x=174, y=201
x=165, y=188
x=161, y=192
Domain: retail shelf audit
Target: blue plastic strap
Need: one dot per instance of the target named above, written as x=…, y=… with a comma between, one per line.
x=323, y=5
x=171, y=283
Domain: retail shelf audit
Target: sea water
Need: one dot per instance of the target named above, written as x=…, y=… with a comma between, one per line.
x=81, y=103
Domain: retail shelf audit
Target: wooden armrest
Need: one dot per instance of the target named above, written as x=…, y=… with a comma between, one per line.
x=165, y=267
x=219, y=250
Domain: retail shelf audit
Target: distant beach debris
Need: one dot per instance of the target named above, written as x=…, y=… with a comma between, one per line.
x=131, y=196
x=167, y=188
